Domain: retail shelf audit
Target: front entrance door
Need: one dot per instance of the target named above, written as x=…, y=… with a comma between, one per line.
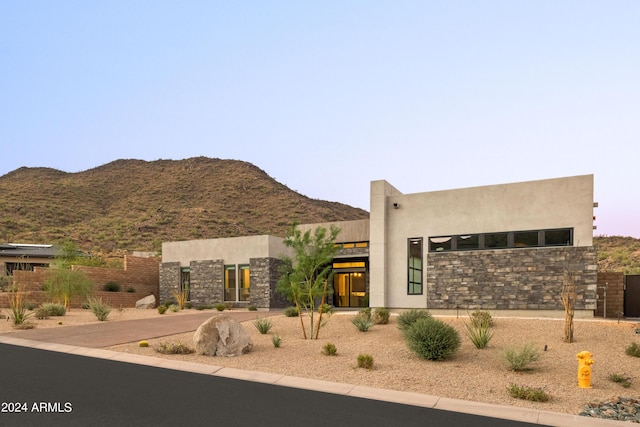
x=632, y=296
x=350, y=289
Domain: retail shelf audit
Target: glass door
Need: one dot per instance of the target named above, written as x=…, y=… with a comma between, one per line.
x=350, y=289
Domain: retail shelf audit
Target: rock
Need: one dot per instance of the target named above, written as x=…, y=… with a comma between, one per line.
x=222, y=336
x=146, y=302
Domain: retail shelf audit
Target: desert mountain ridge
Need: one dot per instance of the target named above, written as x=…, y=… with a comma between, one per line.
x=136, y=204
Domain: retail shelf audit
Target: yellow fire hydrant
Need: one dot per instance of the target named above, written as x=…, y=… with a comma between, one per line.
x=584, y=369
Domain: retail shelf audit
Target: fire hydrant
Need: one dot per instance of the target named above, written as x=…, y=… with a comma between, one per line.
x=584, y=369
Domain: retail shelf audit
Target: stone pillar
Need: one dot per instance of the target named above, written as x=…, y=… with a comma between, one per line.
x=169, y=280
x=207, y=282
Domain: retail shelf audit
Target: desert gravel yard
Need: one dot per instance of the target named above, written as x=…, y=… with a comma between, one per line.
x=472, y=374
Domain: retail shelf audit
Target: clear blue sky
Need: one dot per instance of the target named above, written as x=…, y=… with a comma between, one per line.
x=327, y=96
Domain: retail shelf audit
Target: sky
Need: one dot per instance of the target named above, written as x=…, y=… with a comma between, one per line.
x=328, y=96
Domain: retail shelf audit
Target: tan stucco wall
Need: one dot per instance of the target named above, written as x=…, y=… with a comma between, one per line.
x=233, y=250
x=350, y=231
x=551, y=203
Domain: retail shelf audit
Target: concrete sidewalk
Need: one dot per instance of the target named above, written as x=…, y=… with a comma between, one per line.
x=89, y=340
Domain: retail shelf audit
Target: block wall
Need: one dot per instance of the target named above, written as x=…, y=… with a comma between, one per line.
x=614, y=283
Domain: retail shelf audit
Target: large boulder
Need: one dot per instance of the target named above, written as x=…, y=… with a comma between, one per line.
x=147, y=302
x=222, y=336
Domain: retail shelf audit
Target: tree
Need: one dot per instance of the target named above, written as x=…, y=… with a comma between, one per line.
x=304, y=278
x=63, y=283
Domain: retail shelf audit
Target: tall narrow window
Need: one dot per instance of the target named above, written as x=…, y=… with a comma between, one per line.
x=244, y=283
x=230, y=287
x=415, y=266
x=185, y=281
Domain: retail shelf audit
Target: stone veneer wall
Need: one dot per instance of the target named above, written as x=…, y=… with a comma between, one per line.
x=510, y=279
x=207, y=282
x=169, y=280
x=264, y=280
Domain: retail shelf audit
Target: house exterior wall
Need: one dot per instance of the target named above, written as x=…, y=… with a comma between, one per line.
x=545, y=204
x=206, y=260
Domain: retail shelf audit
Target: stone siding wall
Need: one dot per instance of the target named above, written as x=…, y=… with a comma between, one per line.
x=510, y=279
x=264, y=281
x=614, y=283
x=207, y=282
x=169, y=280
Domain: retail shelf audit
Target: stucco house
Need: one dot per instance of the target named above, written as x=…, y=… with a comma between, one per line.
x=19, y=256
x=501, y=247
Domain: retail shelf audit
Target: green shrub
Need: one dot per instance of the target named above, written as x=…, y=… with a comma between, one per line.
x=173, y=348
x=325, y=308
x=481, y=318
x=432, y=339
x=221, y=306
x=253, y=308
x=54, y=309
x=263, y=324
x=162, y=309
x=365, y=312
x=623, y=380
x=111, y=287
x=478, y=330
x=291, y=312
x=362, y=322
x=174, y=308
x=329, y=349
x=380, y=316
x=19, y=312
x=30, y=305
x=276, y=340
x=131, y=290
x=408, y=318
x=520, y=359
x=528, y=393
x=365, y=361
x=633, y=349
x=99, y=308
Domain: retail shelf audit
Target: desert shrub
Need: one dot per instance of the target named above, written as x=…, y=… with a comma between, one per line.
x=30, y=305
x=533, y=394
x=180, y=297
x=432, y=339
x=174, y=308
x=478, y=330
x=173, y=348
x=111, y=287
x=99, y=308
x=18, y=309
x=481, y=318
x=520, y=359
x=380, y=316
x=365, y=361
x=623, y=380
x=54, y=309
x=263, y=324
x=253, y=308
x=408, y=318
x=276, y=340
x=633, y=349
x=325, y=308
x=221, y=307
x=131, y=289
x=162, y=309
x=143, y=343
x=42, y=313
x=329, y=349
x=291, y=312
x=362, y=322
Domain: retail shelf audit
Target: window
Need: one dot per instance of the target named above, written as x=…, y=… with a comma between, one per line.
x=185, y=281
x=511, y=239
x=230, y=283
x=244, y=283
x=415, y=266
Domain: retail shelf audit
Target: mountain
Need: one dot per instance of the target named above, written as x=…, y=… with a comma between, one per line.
x=136, y=205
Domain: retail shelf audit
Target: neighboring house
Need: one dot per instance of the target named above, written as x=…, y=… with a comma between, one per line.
x=18, y=256
x=499, y=247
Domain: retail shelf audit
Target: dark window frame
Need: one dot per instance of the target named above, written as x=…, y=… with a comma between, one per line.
x=412, y=269
x=512, y=241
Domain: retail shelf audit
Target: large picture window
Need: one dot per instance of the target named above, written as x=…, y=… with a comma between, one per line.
x=237, y=282
x=414, y=266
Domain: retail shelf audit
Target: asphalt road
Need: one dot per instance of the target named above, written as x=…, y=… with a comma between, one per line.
x=59, y=389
